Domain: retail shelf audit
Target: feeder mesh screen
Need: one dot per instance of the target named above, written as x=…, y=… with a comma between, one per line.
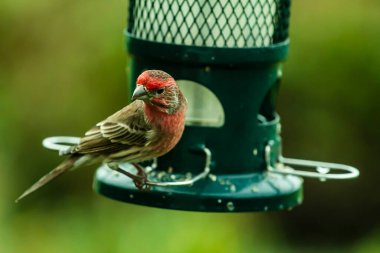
x=210, y=23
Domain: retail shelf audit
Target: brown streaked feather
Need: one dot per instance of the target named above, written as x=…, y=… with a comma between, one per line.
x=118, y=132
x=125, y=129
x=60, y=169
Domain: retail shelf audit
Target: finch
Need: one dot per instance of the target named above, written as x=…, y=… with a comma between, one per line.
x=148, y=127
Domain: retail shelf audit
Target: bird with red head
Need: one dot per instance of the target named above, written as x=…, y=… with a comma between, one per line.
x=147, y=128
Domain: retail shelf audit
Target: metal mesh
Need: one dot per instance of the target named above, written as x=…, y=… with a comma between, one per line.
x=210, y=23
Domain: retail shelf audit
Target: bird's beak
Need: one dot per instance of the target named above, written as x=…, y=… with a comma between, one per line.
x=140, y=93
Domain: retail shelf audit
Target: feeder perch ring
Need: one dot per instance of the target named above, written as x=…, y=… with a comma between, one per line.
x=323, y=169
x=188, y=182
x=60, y=143
x=63, y=143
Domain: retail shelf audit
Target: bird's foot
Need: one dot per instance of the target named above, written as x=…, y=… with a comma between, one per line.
x=141, y=183
x=140, y=179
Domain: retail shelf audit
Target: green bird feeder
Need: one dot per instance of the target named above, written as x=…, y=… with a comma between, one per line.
x=226, y=56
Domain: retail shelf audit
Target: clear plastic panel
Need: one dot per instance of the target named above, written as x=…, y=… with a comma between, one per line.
x=205, y=109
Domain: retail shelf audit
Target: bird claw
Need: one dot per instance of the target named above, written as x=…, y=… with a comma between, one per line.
x=142, y=185
x=140, y=179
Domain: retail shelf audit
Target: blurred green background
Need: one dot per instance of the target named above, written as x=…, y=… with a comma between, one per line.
x=62, y=68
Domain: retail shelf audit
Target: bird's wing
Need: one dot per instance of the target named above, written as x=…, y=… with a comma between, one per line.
x=125, y=129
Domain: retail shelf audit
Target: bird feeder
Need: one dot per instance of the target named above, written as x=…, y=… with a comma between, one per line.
x=226, y=57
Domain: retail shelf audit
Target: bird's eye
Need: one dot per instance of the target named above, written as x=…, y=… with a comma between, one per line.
x=160, y=91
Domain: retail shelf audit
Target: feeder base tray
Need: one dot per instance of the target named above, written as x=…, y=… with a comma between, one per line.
x=215, y=193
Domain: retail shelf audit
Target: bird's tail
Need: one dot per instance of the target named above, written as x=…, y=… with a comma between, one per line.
x=66, y=165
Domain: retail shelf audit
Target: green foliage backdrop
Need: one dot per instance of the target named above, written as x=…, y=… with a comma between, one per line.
x=62, y=68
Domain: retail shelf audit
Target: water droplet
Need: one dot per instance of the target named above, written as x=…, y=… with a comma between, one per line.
x=131, y=196
x=212, y=58
x=170, y=169
x=212, y=177
x=255, y=189
x=323, y=170
x=232, y=188
x=161, y=174
x=207, y=68
x=230, y=206
x=255, y=152
x=188, y=175
x=219, y=201
x=148, y=169
x=278, y=128
x=266, y=208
